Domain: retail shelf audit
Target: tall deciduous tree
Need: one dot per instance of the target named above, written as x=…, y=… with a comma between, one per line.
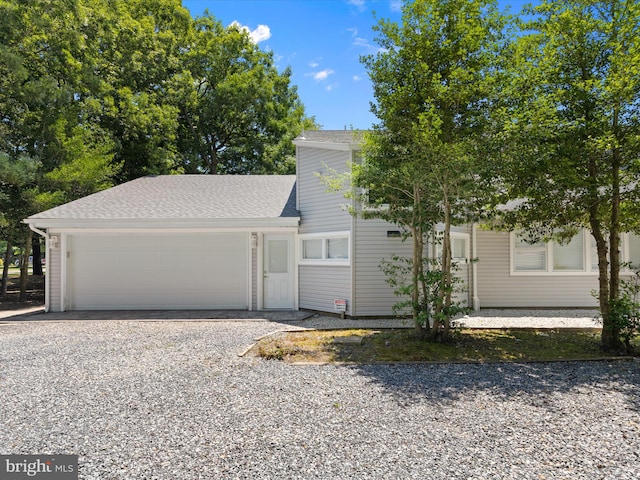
x=238, y=114
x=433, y=84
x=18, y=192
x=573, y=122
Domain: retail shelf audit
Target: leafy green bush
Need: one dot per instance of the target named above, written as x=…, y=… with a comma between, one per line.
x=625, y=310
x=438, y=298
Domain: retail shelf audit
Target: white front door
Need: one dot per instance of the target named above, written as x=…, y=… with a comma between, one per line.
x=278, y=272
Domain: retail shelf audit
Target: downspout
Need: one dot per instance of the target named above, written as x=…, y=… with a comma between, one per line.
x=47, y=277
x=474, y=270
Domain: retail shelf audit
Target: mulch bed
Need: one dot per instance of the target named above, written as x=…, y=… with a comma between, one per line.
x=34, y=295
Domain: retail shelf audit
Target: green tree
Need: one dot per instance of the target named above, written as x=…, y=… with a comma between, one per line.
x=571, y=148
x=434, y=82
x=18, y=199
x=137, y=48
x=238, y=114
x=45, y=113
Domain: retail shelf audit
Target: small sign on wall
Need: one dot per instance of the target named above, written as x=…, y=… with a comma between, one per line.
x=340, y=305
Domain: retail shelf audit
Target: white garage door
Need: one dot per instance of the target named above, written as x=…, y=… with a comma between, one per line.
x=148, y=272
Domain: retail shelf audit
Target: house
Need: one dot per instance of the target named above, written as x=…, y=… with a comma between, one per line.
x=279, y=242
x=174, y=242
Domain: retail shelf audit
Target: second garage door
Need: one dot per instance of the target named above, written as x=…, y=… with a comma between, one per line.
x=159, y=271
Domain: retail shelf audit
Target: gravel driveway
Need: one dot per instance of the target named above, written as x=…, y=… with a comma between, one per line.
x=172, y=400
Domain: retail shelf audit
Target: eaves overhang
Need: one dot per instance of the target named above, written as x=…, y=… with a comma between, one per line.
x=344, y=147
x=177, y=224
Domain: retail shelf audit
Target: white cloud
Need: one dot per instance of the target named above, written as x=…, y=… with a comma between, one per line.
x=357, y=78
x=367, y=46
x=313, y=64
x=322, y=74
x=331, y=87
x=359, y=4
x=396, y=5
x=354, y=31
x=260, y=34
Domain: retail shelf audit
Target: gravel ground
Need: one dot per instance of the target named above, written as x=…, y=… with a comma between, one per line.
x=486, y=318
x=173, y=400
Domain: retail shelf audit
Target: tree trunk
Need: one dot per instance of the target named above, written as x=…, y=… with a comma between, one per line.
x=611, y=341
x=603, y=280
x=213, y=160
x=5, y=269
x=37, y=256
x=24, y=266
x=441, y=321
x=420, y=313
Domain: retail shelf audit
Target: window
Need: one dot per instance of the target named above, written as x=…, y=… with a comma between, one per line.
x=579, y=255
x=527, y=256
x=569, y=257
x=459, y=247
x=312, y=249
x=338, y=248
x=633, y=255
x=325, y=248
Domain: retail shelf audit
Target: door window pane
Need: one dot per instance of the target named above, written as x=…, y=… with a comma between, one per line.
x=278, y=256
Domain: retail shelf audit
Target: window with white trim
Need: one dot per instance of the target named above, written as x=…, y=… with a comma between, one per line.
x=459, y=247
x=570, y=256
x=579, y=255
x=528, y=256
x=633, y=250
x=324, y=248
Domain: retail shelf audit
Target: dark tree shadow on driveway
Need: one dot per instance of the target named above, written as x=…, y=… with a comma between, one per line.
x=446, y=383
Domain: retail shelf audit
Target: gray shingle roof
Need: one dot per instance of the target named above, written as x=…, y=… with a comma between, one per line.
x=186, y=197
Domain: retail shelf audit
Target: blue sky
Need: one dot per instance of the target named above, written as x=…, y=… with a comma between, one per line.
x=322, y=41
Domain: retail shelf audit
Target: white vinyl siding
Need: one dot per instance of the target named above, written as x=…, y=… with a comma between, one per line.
x=254, y=274
x=373, y=295
x=321, y=210
x=319, y=286
x=54, y=277
x=322, y=279
x=498, y=286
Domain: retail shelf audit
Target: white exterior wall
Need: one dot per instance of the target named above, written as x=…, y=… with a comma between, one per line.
x=497, y=287
x=321, y=212
x=54, y=277
x=319, y=286
x=373, y=296
x=254, y=273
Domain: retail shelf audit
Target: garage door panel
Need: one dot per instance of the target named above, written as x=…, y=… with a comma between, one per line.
x=158, y=271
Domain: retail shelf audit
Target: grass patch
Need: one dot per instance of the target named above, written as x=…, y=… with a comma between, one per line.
x=403, y=346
